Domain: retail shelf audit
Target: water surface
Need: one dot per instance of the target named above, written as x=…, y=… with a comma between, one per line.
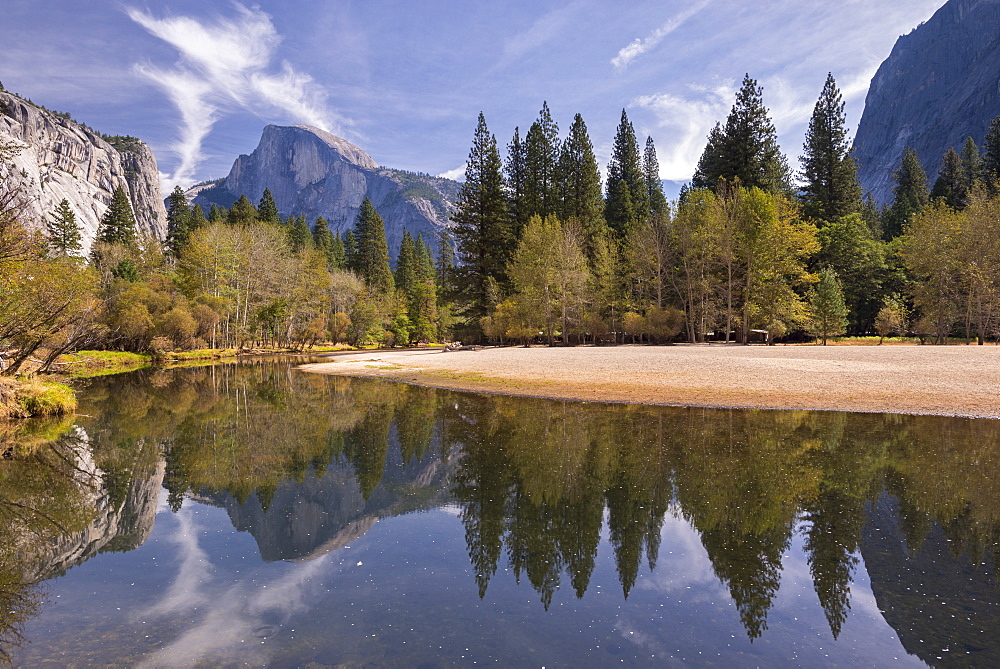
x=253, y=514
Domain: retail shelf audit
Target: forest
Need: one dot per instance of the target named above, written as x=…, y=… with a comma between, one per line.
x=540, y=249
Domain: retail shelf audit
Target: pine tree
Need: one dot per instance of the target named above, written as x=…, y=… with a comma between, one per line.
x=950, y=184
x=337, y=253
x=118, y=223
x=242, y=212
x=910, y=194
x=406, y=264
x=627, y=200
x=746, y=148
x=64, y=238
x=351, y=252
x=444, y=265
x=299, y=235
x=267, y=210
x=324, y=241
x=991, y=157
x=482, y=227
x=580, y=179
x=654, y=187
x=972, y=165
x=178, y=221
x=541, y=159
x=217, y=214
x=514, y=170
x=372, y=251
x=831, y=189
x=827, y=311
x=196, y=218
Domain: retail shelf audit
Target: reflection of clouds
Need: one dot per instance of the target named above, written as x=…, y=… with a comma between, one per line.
x=683, y=563
x=187, y=590
x=231, y=622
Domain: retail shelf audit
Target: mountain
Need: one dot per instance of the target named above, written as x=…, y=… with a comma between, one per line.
x=60, y=158
x=937, y=87
x=314, y=173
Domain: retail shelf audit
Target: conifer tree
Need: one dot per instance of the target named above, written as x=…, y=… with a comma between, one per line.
x=217, y=214
x=580, y=179
x=351, y=252
x=654, y=187
x=444, y=264
x=406, y=264
x=267, y=210
x=515, y=172
x=118, y=223
x=325, y=242
x=745, y=148
x=910, y=194
x=242, y=212
x=991, y=157
x=627, y=200
x=178, y=221
x=482, y=226
x=64, y=238
x=337, y=253
x=827, y=311
x=372, y=251
x=541, y=159
x=299, y=235
x=950, y=184
x=829, y=172
x=196, y=218
x=972, y=165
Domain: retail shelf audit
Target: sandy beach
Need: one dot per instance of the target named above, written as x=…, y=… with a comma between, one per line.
x=946, y=380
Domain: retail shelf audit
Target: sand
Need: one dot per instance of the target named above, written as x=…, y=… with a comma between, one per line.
x=946, y=380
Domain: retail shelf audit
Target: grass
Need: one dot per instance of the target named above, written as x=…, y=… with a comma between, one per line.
x=88, y=364
x=32, y=397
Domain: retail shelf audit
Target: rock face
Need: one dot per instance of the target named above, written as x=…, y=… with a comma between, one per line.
x=60, y=158
x=937, y=87
x=313, y=173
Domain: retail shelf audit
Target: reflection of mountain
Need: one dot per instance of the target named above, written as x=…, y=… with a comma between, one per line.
x=945, y=609
x=123, y=518
x=307, y=519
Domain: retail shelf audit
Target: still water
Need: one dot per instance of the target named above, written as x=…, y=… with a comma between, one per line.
x=255, y=515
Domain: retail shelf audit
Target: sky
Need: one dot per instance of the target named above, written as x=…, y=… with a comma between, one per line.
x=198, y=80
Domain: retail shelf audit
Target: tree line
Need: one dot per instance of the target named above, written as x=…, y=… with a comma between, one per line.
x=750, y=249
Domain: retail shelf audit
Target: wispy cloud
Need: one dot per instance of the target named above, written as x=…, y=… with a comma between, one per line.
x=227, y=64
x=547, y=27
x=686, y=121
x=641, y=45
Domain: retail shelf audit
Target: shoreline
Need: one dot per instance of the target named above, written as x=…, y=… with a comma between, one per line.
x=958, y=381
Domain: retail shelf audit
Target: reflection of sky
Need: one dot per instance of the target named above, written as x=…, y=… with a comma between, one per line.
x=404, y=594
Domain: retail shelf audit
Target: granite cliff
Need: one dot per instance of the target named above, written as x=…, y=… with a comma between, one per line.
x=314, y=173
x=60, y=158
x=938, y=86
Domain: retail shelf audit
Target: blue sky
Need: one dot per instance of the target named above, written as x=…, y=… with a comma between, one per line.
x=198, y=79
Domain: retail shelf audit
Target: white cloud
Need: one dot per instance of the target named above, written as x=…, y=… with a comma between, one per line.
x=224, y=65
x=641, y=45
x=687, y=121
x=457, y=174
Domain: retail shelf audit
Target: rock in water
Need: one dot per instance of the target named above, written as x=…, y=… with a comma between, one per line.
x=60, y=158
x=937, y=87
x=314, y=173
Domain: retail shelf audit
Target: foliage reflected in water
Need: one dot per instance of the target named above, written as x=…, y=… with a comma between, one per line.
x=537, y=480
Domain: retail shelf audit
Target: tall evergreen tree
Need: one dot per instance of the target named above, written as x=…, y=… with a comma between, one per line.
x=372, y=251
x=325, y=242
x=217, y=214
x=516, y=174
x=444, y=264
x=911, y=194
x=580, y=180
x=541, y=159
x=654, y=187
x=482, y=226
x=242, y=212
x=406, y=264
x=63, y=232
x=829, y=172
x=299, y=235
x=972, y=165
x=991, y=151
x=267, y=210
x=827, y=311
x=118, y=223
x=351, y=252
x=196, y=218
x=746, y=148
x=950, y=184
x=627, y=199
x=337, y=253
x=178, y=221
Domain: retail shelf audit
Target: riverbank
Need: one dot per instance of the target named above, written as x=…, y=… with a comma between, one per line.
x=945, y=380
x=33, y=398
